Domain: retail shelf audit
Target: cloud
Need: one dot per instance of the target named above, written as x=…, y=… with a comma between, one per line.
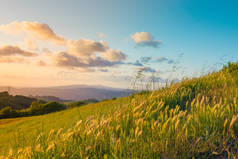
x=145, y=59
x=86, y=53
x=161, y=59
x=164, y=59
x=30, y=44
x=46, y=52
x=64, y=59
x=101, y=35
x=41, y=63
x=13, y=54
x=85, y=48
x=82, y=53
x=148, y=69
x=137, y=63
x=33, y=29
x=13, y=59
x=114, y=55
x=145, y=39
x=8, y=50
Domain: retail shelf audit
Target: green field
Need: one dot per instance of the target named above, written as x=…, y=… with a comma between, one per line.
x=196, y=118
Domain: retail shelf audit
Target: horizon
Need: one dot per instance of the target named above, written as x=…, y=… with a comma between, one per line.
x=108, y=43
x=83, y=85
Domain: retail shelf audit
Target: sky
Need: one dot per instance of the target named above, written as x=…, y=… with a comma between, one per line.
x=106, y=42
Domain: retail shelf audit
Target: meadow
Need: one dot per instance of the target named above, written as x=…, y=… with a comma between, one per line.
x=194, y=118
x=21, y=131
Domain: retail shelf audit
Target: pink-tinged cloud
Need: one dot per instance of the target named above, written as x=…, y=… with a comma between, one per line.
x=64, y=59
x=114, y=55
x=34, y=29
x=85, y=48
x=85, y=53
x=13, y=59
x=82, y=53
x=8, y=50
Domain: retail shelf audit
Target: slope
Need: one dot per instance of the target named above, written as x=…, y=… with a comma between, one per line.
x=194, y=118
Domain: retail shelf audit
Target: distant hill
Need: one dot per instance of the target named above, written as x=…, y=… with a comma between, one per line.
x=72, y=92
x=50, y=98
x=15, y=102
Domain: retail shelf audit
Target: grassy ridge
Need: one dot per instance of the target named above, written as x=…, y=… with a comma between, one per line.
x=195, y=118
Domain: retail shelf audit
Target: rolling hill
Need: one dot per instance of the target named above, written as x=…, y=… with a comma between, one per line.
x=15, y=102
x=70, y=93
x=195, y=118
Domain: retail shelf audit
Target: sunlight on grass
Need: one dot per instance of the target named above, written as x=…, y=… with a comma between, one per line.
x=194, y=118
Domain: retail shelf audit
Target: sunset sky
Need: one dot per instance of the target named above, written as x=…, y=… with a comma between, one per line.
x=105, y=42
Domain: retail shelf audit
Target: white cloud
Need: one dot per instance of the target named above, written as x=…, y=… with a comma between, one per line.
x=145, y=39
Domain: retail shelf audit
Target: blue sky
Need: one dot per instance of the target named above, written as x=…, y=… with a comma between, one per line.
x=205, y=32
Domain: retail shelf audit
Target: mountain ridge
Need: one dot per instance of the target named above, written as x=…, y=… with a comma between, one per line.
x=69, y=92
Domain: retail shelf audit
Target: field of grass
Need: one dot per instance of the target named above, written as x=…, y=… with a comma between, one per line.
x=196, y=118
x=23, y=130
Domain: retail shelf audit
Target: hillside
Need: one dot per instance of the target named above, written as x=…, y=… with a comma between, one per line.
x=70, y=93
x=196, y=118
x=15, y=102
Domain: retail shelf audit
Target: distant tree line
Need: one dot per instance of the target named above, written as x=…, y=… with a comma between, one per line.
x=21, y=106
x=36, y=108
x=17, y=102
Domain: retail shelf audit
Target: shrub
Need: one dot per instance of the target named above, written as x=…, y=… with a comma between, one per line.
x=114, y=98
x=52, y=107
x=35, y=108
x=38, y=108
x=76, y=104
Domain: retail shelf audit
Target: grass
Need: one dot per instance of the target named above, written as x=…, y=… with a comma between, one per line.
x=23, y=130
x=196, y=118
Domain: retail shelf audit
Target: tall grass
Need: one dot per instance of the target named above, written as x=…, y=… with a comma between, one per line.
x=196, y=118
x=146, y=129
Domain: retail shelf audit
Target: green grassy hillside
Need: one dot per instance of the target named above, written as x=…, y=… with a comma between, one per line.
x=196, y=118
